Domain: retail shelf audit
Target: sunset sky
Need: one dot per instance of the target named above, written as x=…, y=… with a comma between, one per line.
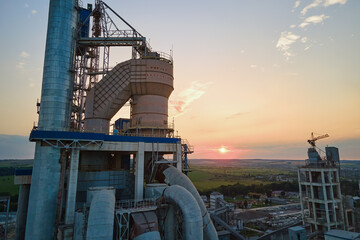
x=253, y=78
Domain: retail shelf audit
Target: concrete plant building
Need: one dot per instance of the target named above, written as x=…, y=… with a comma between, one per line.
x=320, y=192
x=92, y=179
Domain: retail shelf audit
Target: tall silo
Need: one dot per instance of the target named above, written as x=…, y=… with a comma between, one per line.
x=55, y=111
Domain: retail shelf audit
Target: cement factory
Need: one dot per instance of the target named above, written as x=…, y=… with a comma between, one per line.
x=96, y=181
x=98, y=177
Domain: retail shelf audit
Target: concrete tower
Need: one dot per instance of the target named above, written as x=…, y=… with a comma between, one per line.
x=320, y=193
x=55, y=110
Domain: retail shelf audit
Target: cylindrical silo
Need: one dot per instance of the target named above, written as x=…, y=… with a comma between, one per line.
x=55, y=111
x=151, y=86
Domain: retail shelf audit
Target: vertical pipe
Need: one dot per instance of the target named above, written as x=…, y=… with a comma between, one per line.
x=71, y=195
x=22, y=211
x=185, y=159
x=178, y=156
x=55, y=112
x=139, y=172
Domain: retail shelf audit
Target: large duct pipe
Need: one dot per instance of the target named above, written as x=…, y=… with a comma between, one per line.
x=174, y=176
x=101, y=216
x=192, y=220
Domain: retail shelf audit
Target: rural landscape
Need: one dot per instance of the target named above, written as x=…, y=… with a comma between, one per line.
x=234, y=178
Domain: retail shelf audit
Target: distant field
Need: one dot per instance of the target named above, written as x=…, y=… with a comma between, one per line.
x=206, y=178
x=7, y=185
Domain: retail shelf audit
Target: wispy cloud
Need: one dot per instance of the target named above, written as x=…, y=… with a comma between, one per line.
x=186, y=97
x=297, y=4
x=253, y=66
x=24, y=54
x=20, y=65
x=314, y=4
x=33, y=11
x=285, y=41
x=236, y=115
x=313, y=20
x=332, y=2
x=304, y=39
x=26, y=5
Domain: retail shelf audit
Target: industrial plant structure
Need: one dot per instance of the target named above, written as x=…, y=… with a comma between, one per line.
x=320, y=192
x=95, y=180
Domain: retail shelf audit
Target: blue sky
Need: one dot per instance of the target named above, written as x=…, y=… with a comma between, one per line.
x=254, y=76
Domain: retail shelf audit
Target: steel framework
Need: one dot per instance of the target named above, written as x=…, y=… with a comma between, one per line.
x=90, y=50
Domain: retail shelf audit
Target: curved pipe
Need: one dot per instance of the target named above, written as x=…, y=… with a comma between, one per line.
x=192, y=220
x=174, y=176
x=101, y=216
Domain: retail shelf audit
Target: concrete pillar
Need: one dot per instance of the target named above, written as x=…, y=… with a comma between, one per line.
x=71, y=195
x=139, y=172
x=325, y=199
x=21, y=213
x=331, y=178
x=43, y=198
x=178, y=157
x=301, y=197
x=313, y=197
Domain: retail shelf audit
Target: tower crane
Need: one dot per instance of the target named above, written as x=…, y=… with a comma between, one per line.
x=314, y=139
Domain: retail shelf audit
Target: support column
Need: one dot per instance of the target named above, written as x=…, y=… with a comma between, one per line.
x=178, y=157
x=139, y=172
x=301, y=197
x=71, y=194
x=325, y=199
x=312, y=199
x=21, y=213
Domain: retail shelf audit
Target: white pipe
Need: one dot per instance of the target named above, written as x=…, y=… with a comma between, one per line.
x=101, y=216
x=192, y=220
x=174, y=176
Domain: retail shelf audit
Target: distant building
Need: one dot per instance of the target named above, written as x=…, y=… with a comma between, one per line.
x=213, y=197
x=320, y=193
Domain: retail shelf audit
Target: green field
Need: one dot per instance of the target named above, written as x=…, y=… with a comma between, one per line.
x=207, y=178
x=7, y=186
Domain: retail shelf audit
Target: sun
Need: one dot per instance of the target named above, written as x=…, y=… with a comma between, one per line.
x=223, y=150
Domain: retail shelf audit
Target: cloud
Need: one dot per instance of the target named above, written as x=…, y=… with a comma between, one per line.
x=186, y=97
x=33, y=12
x=314, y=4
x=332, y=2
x=236, y=115
x=307, y=47
x=297, y=4
x=292, y=26
x=285, y=41
x=20, y=65
x=313, y=20
x=26, y=5
x=253, y=66
x=304, y=39
x=24, y=54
